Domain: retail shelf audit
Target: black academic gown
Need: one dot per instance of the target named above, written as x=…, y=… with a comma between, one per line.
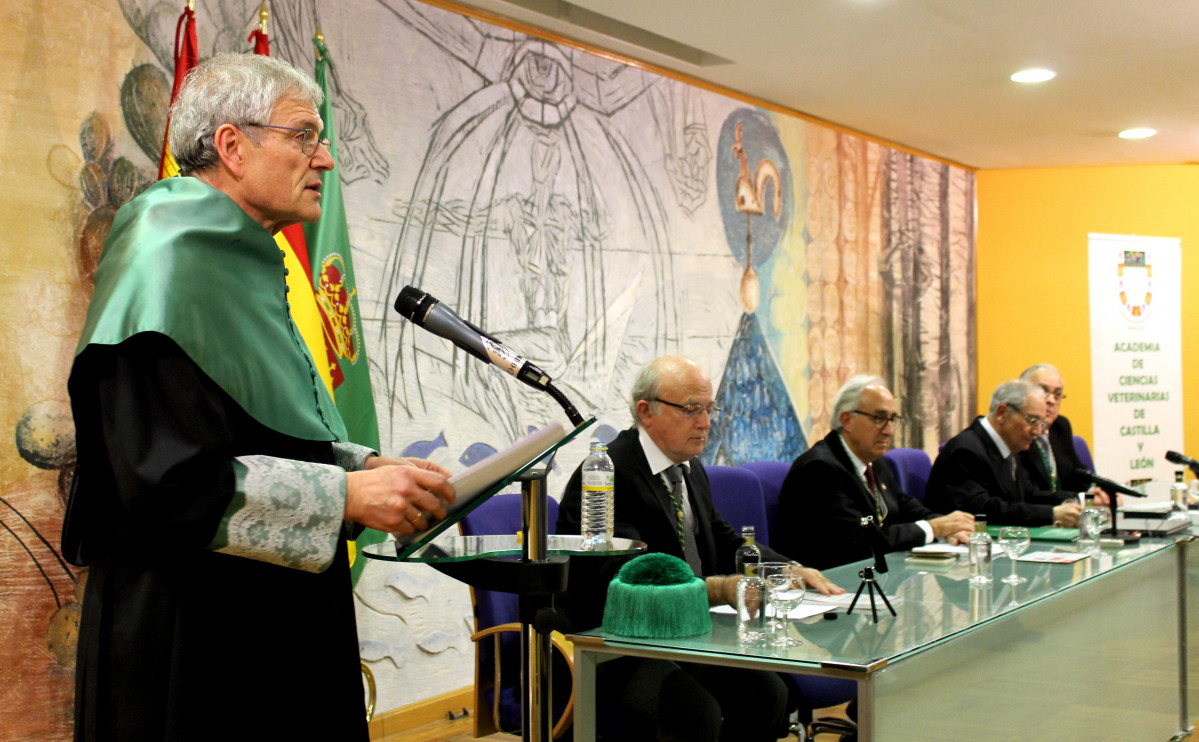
x=178, y=642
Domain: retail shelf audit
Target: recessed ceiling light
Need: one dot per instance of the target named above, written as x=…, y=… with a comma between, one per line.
x=1137, y=133
x=1034, y=75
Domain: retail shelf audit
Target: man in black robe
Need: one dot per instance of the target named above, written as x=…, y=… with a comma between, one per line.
x=212, y=486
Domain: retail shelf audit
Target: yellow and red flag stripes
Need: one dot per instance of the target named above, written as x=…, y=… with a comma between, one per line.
x=305, y=311
x=187, y=55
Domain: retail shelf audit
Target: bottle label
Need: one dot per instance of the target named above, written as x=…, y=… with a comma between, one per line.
x=598, y=480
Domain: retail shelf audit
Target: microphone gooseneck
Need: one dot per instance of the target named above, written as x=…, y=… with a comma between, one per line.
x=422, y=309
x=1108, y=485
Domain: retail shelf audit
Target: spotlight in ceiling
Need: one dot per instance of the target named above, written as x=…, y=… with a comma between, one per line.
x=1034, y=75
x=1137, y=133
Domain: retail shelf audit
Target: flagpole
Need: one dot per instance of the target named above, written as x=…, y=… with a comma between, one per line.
x=263, y=15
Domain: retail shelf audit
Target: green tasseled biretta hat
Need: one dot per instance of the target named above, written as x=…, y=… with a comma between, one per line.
x=657, y=596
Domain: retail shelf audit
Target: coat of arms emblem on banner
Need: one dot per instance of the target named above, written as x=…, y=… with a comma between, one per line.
x=1136, y=286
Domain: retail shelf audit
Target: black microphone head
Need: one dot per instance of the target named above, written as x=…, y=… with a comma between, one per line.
x=1175, y=457
x=1081, y=472
x=414, y=304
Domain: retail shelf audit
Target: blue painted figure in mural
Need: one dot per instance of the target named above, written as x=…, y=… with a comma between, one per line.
x=760, y=423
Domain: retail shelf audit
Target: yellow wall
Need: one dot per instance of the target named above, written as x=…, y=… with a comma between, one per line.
x=1032, y=302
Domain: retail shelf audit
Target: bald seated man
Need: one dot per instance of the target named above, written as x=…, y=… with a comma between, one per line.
x=978, y=470
x=672, y=408
x=844, y=478
x=1051, y=461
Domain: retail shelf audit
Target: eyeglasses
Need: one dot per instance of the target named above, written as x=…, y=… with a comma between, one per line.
x=311, y=138
x=880, y=419
x=692, y=411
x=1058, y=394
x=1032, y=420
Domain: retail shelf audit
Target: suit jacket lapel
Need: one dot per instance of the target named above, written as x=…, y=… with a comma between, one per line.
x=654, y=484
x=837, y=447
x=1001, y=466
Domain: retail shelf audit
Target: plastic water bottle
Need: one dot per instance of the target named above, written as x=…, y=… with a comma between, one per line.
x=599, y=476
x=980, y=552
x=751, y=610
x=1178, y=491
x=748, y=555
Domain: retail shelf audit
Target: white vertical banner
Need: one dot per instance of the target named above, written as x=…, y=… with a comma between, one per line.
x=1136, y=357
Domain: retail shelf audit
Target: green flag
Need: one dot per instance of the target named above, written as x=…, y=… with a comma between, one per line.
x=337, y=294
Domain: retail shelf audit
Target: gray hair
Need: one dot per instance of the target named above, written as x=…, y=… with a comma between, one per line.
x=231, y=88
x=648, y=383
x=1038, y=367
x=850, y=394
x=1014, y=393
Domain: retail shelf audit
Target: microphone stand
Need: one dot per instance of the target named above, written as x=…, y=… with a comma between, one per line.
x=874, y=536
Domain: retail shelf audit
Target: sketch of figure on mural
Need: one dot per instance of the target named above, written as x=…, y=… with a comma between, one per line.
x=533, y=217
x=223, y=26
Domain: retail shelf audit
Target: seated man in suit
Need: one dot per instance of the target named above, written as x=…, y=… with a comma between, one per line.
x=658, y=479
x=978, y=470
x=1051, y=461
x=844, y=478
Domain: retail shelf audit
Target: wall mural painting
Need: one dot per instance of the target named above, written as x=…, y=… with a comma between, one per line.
x=590, y=214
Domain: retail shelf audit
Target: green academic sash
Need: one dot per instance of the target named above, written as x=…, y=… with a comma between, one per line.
x=182, y=259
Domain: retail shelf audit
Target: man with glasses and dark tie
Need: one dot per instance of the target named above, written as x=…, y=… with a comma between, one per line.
x=844, y=478
x=658, y=478
x=978, y=470
x=1051, y=461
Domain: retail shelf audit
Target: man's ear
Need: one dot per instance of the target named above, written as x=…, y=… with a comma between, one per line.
x=230, y=143
x=642, y=411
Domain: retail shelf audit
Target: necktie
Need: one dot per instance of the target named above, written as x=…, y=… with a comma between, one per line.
x=686, y=537
x=1047, y=458
x=880, y=506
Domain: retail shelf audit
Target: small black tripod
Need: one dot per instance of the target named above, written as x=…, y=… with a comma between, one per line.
x=871, y=587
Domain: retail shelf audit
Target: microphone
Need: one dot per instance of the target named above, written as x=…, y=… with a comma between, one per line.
x=1108, y=485
x=422, y=309
x=1175, y=457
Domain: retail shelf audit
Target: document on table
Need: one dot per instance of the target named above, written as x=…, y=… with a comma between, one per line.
x=844, y=599
x=805, y=610
x=1052, y=557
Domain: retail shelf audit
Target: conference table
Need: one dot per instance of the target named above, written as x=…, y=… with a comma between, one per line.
x=1092, y=650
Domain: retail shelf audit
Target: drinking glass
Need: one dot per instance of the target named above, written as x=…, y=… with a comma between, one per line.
x=786, y=593
x=765, y=569
x=1014, y=541
x=1092, y=521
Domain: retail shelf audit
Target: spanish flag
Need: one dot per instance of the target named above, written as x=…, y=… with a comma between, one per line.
x=324, y=294
x=187, y=55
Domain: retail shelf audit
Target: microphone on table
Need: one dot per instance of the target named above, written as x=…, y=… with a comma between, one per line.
x=422, y=309
x=1108, y=485
x=1175, y=457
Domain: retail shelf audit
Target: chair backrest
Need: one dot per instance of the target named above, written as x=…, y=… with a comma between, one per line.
x=500, y=514
x=737, y=495
x=1084, y=453
x=912, y=466
x=771, y=474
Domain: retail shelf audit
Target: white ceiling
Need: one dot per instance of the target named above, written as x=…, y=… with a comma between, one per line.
x=931, y=75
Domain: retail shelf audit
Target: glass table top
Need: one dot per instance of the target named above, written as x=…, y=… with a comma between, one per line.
x=463, y=548
x=933, y=604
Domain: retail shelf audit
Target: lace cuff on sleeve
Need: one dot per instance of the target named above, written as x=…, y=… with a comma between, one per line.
x=351, y=456
x=284, y=512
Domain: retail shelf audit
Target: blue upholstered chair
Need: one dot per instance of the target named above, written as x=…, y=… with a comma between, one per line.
x=497, y=616
x=814, y=692
x=1084, y=453
x=912, y=466
x=737, y=496
x=771, y=474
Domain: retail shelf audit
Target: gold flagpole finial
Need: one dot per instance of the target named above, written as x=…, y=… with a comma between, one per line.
x=191, y=4
x=263, y=15
x=320, y=39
